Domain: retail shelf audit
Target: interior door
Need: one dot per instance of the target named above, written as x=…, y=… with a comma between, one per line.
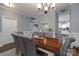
x=9, y=25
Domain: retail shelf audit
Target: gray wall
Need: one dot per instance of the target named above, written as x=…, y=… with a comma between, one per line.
x=75, y=18
x=75, y=23
x=23, y=22
x=56, y=25
x=0, y=24
x=26, y=24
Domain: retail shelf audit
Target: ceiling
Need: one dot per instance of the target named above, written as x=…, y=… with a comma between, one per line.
x=30, y=9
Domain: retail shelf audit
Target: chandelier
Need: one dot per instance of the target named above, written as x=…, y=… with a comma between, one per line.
x=9, y=4
x=45, y=7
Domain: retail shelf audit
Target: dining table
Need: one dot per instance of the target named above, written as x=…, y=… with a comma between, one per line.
x=50, y=44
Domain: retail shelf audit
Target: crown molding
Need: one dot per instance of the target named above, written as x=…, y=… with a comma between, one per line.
x=12, y=10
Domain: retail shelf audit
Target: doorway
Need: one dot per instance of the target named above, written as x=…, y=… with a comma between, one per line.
x=9, y=25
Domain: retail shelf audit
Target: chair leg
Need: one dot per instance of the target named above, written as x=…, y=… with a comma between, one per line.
x=17, y=51
x=22, y=54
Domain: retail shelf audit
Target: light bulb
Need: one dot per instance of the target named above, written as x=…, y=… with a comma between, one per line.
x=46, y=8
x=46, y=26
x=68, y=15
x=39, y=6
x=9, y=4
x=53, y=5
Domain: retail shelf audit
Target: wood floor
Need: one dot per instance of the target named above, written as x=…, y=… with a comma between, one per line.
x=7, y=47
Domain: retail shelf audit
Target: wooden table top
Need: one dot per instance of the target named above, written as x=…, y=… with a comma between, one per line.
x=50, y=44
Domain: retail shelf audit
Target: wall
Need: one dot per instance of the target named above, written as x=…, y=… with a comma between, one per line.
x=0, y=24
x=56, y=25
x=47, y=18
x=75, y=18
x=26, y=24
x=23, y=24
x=74, y=26
x=75, y=23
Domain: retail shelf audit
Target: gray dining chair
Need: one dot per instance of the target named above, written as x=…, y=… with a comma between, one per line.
x=19, y=32
x=19, y=44
x=16, y=43
x=22, y=47
x=66, y=46
x=30, y=46
x=26, y=46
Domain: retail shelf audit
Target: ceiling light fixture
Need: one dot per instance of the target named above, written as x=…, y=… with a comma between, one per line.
x=45, y=7
x=9, y=4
